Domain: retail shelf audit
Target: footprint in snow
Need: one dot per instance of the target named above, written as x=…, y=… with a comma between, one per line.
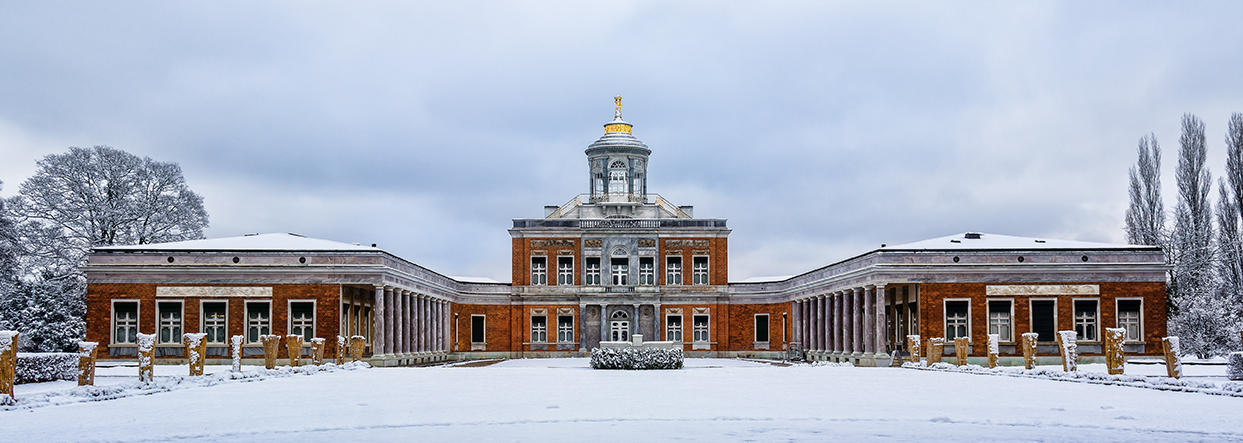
x=1124, y=417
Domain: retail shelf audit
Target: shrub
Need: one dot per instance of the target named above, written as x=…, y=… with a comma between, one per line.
x=46, y=366
x=636, y=358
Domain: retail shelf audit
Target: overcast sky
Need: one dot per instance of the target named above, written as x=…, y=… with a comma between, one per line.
x=820, y=130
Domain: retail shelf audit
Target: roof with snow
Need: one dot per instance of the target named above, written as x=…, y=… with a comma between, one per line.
x=252, y=242
x=979, y=240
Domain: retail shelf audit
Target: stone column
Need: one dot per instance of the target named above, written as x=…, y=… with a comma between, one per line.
x=377, y=321
x=658, y=323
x=794, y=312
x=582, y=327
x=869, y=316
x=401, y=311
x=806, y=314
x=832, y=326
x=881, y=320
x=417, y=319
x=857, y=323
x=634, y=325
x=604, y=322
x=848, y=301
x=838, y=323
x=426, y=323
x=816, y=322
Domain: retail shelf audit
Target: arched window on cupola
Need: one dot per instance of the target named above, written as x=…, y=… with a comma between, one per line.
x=617, y=177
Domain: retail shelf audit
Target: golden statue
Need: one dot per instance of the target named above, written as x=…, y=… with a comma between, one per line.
x=617, y=100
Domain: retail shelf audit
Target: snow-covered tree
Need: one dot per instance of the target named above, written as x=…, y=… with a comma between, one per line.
x=8, y=252
x=49, y=310
x=1230, y=251
x=1145, y=218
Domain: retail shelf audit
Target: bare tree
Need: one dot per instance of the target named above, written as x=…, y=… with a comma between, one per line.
x=1145, y=218
x=1196, y=314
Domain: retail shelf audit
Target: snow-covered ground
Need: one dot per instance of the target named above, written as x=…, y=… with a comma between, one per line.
x=564, y=400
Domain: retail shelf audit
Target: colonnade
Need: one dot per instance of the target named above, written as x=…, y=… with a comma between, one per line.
x=408, y=327
x=844, y=325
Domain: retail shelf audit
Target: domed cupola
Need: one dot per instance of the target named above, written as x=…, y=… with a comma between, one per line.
x=618, y=163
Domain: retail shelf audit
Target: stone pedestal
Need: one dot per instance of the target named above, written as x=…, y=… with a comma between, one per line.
x=196, y=351
x=86, y=363
x=936, y=346
x=8, y=362
x=357, y=344
x=994, y=345
x=341, y=347
x=1069, y=350
x=236, y=343
x=1029, y=349
x=317, y=351
x=1173, y=366
x=146, y=358
x=271, y=347
x=293, y=343
x=913, y=344
x=1115, y=357
x=962, y=348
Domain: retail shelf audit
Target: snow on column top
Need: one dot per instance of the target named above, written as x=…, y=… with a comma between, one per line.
x=6, y=339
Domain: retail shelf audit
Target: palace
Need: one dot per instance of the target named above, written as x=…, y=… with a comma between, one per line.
x=619, y=262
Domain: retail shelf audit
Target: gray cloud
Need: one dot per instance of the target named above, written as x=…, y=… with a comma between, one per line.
x=819, y=130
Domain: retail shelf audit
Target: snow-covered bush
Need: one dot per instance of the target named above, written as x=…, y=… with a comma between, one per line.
x=1234, y=366
x=636, y=358
x=46, y=366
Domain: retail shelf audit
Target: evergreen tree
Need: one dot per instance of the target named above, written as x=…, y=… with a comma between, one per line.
x=8, y=254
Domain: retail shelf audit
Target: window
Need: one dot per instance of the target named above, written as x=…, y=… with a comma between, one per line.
x=761, y=328
x=258, y=320
x=699, y=269
x=565, y=328
x=539, y=329
x=170, y=322
x=647, y=271
x=1044, y=319
x=673, y=328
x=214, y=324
x=619, y=327
x=999, y=320
x=1085, y=320
x=565, y=270
x=476, y=329
x=699, y=325
x=592, y=276
x=125, y=322
x=302, y=319
x=621, y=270
x=539, y=270
x=956, y=319
x=617, y=181
x=1129, y=319
x=673, y=270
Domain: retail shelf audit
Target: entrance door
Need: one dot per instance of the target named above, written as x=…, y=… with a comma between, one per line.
x=619, y=330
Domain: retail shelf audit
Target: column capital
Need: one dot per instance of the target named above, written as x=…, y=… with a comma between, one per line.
x=379, y=285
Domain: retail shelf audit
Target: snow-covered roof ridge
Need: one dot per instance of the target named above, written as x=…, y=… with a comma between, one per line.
x=982, y=240
x=251, y=242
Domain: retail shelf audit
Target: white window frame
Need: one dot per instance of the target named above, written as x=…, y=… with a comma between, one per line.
x=159, y=322
x=1118, y=316
x=113, y=321
x=945, y=317
x=671, y=273
x=484, y=329
x=539, y=335
x=289, y=325
x=707, y=329
x=203, y=321
x=247, y=321
x=1031, y=315
x=591, y=277
x=1096, y=320
x=989, y=311
x=565, y=334
x=539, y=275
x=619, y=277
x=647, y=277
x=671, y=330
x=696, y=272
x=565, y=274
x=756, y=327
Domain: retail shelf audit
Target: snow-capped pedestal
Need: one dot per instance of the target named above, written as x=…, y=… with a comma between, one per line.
x=1029, y=349
x=357, y=345
x=913, y=343
x=196, y=350
x=1069, y=350
x=146, y=359
x=293, y=344
x=1173, y=366
x=235, y=342
x=993, y=348
x=936, y=347
x=962, y=348
x=341, y=347
x=317, y=351
x=1115, y=357
x=271, y=347
x=86, y=363
x=8, y=364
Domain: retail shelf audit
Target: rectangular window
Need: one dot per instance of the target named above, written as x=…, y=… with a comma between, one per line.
x=1129, y=319
x=699, y=324
x=476, y=329
x=956, y=319
x=647, y=271
x=214, y=322
x=592, y=276
x=1085, y=320
x=302, y=319
x=258, y=320
x=999, y=320
x=565, y=328
x=539, y=270
x=673, y=270
x=621, y=271
x=565, y=270
x=761, y=328
x=539, y=329
x=125, y=322
x=170, y=322
x=699, y=266
x=673, y=328
x=1044, y=319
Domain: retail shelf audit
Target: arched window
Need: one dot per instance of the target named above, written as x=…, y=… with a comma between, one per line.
x=617, y=177
x=620, y=314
